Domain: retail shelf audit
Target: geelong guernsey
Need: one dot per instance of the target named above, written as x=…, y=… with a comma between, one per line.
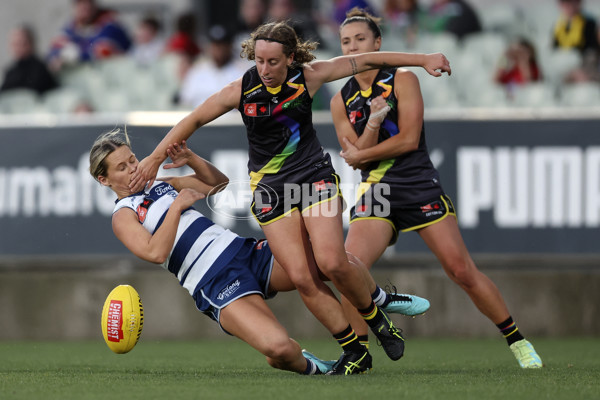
x=411, y=172
x=201, y=247
x=281, y=136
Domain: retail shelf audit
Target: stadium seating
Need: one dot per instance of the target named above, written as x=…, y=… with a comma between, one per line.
x=119, y=85
x=19, y=101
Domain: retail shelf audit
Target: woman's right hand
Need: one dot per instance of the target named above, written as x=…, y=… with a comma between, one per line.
x=144, y=175
x=379, y=109
x=186, y=198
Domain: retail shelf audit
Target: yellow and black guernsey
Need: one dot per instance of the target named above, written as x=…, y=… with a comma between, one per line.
x=283, y=145
x=396, y=185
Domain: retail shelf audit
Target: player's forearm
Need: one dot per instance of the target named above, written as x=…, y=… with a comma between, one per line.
x=390, y=148
x=162, y=240
x=206, y=172
x=385, y=59
x=181, y=131
x=369, y=137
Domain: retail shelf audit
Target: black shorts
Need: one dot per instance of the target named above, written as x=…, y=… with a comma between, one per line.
x=403, y=218
x=277, y=195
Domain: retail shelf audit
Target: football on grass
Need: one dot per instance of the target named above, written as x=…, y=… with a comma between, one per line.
x=122, y=319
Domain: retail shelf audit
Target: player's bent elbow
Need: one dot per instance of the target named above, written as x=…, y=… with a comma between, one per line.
x=157, y=257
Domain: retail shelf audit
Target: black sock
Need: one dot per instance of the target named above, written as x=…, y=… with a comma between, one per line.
x=348, y=340
x=372, y=315
x=364, y=340
x=510, y=331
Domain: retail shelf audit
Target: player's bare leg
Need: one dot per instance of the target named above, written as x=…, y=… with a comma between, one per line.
x=251, y=320
x=445, y=241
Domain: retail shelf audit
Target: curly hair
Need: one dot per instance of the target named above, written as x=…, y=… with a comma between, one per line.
x=280, y=32
x=360, y=15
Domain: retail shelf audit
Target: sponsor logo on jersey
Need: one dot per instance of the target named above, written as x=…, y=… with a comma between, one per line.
x=229, y=290
x=292, y=103
x=114, y=325
x=261, y=244
x=355, y=116
x=265, y=210
x=253, y=93
x=362, y=209
x=434, y=208
x=257, y=109
x=142, y=209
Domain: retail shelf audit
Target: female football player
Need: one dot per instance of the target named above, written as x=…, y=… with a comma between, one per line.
x=295, y=188
x=228, y=276
x=378, y=116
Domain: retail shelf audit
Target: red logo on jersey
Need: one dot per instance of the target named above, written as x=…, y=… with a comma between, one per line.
x=430, y=207
x=361, y=209
x=321, y=185
x=355, y=116
x=265, y=210
x=250, y=109
x=260, y=244
x=142, y=210
x=257, y=109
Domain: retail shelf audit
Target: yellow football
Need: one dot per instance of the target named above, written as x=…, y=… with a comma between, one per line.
x=122, y=319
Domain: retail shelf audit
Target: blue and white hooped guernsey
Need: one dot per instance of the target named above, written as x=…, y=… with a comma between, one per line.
x=201, y=247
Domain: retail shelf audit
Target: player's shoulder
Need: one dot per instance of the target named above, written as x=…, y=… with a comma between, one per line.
x=405, y=74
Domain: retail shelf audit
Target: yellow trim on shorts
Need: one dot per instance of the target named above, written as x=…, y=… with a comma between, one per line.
x=337, y=194
x=285, y=214
x=414, y=228
x=377, y=219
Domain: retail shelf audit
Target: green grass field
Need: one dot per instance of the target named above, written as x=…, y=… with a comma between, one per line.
x=229, y=369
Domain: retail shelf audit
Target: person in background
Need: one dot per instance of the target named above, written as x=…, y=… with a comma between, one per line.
x=183, y=40
x=252, y=14
x=92, y=34
x=404, y=18
x=27, y=71
x=519, y=65
x=286, y=11
x=453, y=16
x=213, y=72
x=341, y=7
x=148, y=45
x=574, y=29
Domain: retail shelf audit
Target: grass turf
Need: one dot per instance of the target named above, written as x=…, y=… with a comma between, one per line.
x=229, y=369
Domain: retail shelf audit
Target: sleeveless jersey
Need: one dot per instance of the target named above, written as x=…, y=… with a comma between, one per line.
x=201, y=247
x=412, y=172
x=281, y=136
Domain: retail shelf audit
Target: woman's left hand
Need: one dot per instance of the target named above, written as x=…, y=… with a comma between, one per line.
x=437, y=61
x=179, y=155
x=351, y=155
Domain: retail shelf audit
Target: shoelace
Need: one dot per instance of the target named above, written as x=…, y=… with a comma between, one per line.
x=351, y=366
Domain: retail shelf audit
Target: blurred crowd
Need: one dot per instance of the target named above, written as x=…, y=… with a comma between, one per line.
x=503, y=55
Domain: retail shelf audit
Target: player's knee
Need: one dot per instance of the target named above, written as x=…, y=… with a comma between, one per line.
x=462, y=272
x=280, y=352
x=332, y=266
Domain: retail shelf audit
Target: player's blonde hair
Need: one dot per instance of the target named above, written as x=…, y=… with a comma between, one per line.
x=105, y=144
x=280, y=32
